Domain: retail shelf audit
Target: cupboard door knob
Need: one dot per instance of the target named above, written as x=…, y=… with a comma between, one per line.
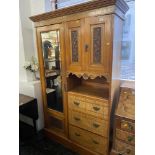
x=86, y=47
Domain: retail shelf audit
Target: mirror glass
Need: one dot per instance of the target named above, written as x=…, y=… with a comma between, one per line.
x=52, y=64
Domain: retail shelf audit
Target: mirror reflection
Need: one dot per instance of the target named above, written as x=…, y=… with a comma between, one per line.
x=52, y=65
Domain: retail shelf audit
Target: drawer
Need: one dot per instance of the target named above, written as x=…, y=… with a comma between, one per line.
x=97, y=110
x=76, y=102
x=124, y=148
x=87, y=139
x=98, y=126
x=125, y=125
x=77, y=119
x=127, y=137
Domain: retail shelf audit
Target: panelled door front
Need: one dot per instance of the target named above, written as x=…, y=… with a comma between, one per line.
x=97, y=44
x=52, y=68
x=73, y=42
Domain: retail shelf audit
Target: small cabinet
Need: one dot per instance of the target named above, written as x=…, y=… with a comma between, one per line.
x=88, y=45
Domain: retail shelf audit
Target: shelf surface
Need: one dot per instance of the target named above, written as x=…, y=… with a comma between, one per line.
x=96, y=92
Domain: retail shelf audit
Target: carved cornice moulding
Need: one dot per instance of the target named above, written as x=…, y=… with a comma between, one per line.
x=86, y=75
x=81, y=8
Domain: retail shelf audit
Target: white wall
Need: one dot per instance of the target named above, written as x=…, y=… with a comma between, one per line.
x=48, y=5
x=27, y=29
x=37, y=7
x=27, y=45
x=66, y=3
x=22, y=72
x=27, y=49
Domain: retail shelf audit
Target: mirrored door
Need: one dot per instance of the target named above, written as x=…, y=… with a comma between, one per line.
x=51, y=52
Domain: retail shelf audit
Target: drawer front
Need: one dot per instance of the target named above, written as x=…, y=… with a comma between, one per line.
x=76, y=102
x=125, y=125
x=77, y=119
x=89, y=123
x=127, y=137
x=98, y=126
x=89, y=140
x=124, y=148
x=97, y=110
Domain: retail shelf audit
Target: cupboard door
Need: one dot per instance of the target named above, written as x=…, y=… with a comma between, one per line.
x=97, y=43
x=50, y=41
x=73, y=42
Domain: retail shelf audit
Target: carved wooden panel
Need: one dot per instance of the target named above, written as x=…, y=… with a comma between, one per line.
x=74, y=40
x=97, y=45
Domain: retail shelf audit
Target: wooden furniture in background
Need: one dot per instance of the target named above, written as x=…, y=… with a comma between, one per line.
x=124, y=131
x=28, y=107
x=89, y=39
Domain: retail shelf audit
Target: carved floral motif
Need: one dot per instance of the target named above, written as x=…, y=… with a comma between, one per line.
x=97, y=45
x=74, y=39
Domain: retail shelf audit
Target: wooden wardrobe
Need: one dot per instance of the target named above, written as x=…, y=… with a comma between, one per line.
x=79, y=50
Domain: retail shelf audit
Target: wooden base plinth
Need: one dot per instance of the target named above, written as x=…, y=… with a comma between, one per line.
x=67, y=143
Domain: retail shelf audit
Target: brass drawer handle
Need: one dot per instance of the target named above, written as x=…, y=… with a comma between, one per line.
x=77, y=134
x=95, y=125
x=127, y=126
x=77, y=119
x=95, y=142
x=96, y=108
x=130, y=138
x=76, y=103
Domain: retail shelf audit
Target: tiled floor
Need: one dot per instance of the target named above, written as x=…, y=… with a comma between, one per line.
x=31, y=144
